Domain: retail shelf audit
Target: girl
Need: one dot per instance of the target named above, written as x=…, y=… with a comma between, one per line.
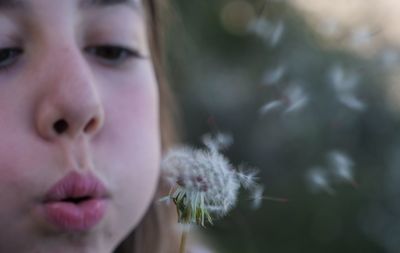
x=84, y=120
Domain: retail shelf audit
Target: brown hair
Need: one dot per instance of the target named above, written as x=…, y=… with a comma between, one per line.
x=156, y=231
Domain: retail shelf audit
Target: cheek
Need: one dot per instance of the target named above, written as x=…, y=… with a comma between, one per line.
x=129, y=146
x=18, y=161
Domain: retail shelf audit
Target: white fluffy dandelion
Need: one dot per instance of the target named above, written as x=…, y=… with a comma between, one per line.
x=204, y=184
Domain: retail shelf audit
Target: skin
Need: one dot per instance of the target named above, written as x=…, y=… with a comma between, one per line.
x=61, y=70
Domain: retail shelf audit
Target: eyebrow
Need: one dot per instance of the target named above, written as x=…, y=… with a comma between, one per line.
x=22, y=4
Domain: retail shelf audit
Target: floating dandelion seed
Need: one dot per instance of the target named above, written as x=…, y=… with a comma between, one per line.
x=318, y=179
x=342, y=167
x=247, y=178
x=296, y=98
x=277, y=33
x=352, y=102
x=269, y=32
x=274, y=75
x=293, y=99
x=270, y=106
x=260, y=27
x=345, y=83
x=257, y=197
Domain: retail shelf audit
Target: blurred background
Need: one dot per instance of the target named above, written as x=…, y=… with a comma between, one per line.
x=309, y=91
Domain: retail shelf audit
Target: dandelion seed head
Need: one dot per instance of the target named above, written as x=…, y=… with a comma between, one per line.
x=203, y=182
x=206, y=180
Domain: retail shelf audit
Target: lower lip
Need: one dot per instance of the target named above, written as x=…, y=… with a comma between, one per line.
x=72, y=217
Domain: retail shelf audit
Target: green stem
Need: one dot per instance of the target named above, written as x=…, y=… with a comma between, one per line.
x=182, y=247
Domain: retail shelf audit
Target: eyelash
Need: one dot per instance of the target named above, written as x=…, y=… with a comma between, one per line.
x=108, y=54
x=112, y=54
x=8, y=56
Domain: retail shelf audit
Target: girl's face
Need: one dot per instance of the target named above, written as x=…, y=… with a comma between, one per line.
x=78, y=105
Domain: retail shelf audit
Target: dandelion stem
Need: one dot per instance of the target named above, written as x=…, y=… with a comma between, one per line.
x=183, y=241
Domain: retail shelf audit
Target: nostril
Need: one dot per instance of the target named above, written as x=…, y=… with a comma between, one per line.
x=91, y=125
x=60, y=126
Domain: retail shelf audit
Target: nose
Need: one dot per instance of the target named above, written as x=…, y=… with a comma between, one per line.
x=70, y=104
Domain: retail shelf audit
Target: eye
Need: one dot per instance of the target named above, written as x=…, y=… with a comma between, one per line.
x=112, y=55
x=8, y=56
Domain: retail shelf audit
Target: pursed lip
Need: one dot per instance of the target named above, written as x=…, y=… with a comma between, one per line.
x=76, y=203
x=76, y=186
